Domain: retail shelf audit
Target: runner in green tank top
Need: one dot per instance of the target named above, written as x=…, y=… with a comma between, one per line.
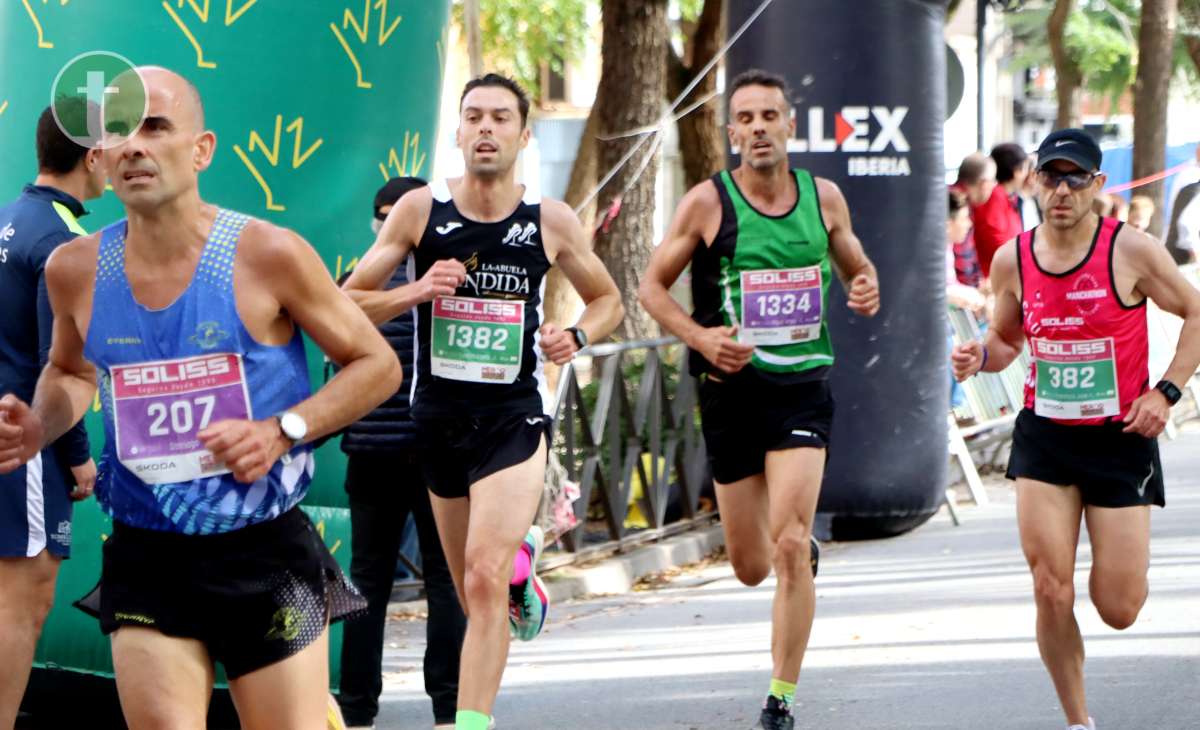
x=763, y=242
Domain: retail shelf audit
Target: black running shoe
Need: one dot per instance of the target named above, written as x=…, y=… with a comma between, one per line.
x=814, y=554
x=776, y=715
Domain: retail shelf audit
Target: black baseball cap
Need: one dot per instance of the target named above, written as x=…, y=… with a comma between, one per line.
x=393, y=190
x=1072, y=145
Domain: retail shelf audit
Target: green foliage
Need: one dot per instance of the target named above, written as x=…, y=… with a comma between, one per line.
x=690, y=9
x=520, y=35
x=1101, y=37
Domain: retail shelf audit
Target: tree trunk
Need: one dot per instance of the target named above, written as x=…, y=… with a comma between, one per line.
x=701, y=142
x=1189, y=10
x=632, y=86
x=1156, y=40
x=561, y=300
x=1067, y=77
x=474, y=40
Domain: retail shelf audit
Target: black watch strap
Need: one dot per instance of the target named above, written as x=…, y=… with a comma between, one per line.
x=1169, y=390
x=580, y=336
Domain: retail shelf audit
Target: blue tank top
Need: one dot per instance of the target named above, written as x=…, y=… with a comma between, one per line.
x=165, y=374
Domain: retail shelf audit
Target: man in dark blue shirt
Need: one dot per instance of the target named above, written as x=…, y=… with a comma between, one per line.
x=35, y=500
x=384, y=483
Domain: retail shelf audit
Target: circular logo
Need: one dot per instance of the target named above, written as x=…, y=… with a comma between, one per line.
x=98, y=99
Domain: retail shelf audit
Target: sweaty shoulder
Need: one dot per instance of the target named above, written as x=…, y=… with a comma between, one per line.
x=828, y=191
x=832, y=201
x=1136, y=246
x=410, y=215
x=699, y=212
x=72, y=265
x=1004, y=274
x=560, y=226
x=273, y=259
x=557, y=216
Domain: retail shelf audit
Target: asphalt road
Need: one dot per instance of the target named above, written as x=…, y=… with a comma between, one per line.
x=934, y=629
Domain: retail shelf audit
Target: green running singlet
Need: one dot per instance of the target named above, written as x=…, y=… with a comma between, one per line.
x=769, y=275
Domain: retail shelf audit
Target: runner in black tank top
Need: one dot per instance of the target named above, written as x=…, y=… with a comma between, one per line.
x=486, y=334
x=481, y=246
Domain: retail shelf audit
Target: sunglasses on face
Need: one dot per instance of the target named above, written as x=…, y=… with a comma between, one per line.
x=1050, y=179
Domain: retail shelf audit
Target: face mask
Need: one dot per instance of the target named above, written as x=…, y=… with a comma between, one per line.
x=376, y=226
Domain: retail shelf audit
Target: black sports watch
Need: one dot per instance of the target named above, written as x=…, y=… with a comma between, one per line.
x=1169, y=390
x=580, y=336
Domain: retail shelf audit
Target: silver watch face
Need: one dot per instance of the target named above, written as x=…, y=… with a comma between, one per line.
x=293, y=426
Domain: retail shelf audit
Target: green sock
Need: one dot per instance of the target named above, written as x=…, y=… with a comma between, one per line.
x=785, y=691
x=470, y=720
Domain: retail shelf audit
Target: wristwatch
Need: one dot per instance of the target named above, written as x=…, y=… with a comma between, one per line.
x=293, y=426
x=580, y=336
x=1169, y=390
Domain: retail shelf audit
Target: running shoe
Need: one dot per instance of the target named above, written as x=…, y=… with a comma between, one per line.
x=776, y=715
x=1091, y=725
x=528, y=603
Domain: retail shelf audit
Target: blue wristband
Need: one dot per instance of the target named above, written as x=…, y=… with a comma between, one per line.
x=983, y=364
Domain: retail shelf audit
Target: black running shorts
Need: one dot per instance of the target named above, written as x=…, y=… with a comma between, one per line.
x=1111, y=468
x=745, y=417
x=253, y=596
x=458, y=452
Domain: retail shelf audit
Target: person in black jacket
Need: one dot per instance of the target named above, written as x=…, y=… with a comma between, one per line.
x=385, y=484
x=1179, y=245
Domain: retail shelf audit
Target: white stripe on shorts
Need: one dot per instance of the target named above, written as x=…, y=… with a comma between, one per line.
x=35, y=507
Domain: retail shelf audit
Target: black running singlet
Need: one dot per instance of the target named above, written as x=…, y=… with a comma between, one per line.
x=477, y=352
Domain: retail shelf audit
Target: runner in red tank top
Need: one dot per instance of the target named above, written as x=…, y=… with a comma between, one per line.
x=1084, y=446
x=1089, y=347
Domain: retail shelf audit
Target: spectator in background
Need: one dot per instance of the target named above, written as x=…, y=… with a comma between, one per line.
x=998, y=219
x=1031, y=214
x=1186, y=177
x=1141, y=210
x=1183, y=234
x=1120, y=209
x=35, y=500
x=958, y=223
x=384, y=482
x=976, y=181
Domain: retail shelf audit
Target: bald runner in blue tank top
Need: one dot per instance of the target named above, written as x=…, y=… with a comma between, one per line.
x=165, y=374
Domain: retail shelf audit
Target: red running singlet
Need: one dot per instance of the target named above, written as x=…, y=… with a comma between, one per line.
x=1089, y=348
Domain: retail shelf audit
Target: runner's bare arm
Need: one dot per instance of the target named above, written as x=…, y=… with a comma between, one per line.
x=573, y=254
x=1159, y=279
x=295, y=276
x=67, y=385
x=398, y=236
x=696, y=219
x=849, y=260
x=1005, y=338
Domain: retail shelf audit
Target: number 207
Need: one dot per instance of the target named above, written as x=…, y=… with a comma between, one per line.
x=180, y=415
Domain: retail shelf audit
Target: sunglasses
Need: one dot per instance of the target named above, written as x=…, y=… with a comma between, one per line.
x=1051, y=179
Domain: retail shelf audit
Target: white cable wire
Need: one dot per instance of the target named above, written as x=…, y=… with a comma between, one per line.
x=668, y=117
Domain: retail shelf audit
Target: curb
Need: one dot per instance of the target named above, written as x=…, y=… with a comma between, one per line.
x=617, y=573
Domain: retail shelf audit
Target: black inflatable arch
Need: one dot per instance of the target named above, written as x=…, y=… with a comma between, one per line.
x=869, y=83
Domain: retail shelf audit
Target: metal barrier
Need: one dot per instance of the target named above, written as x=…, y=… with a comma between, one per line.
x=983, y=423
x=643, y=431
